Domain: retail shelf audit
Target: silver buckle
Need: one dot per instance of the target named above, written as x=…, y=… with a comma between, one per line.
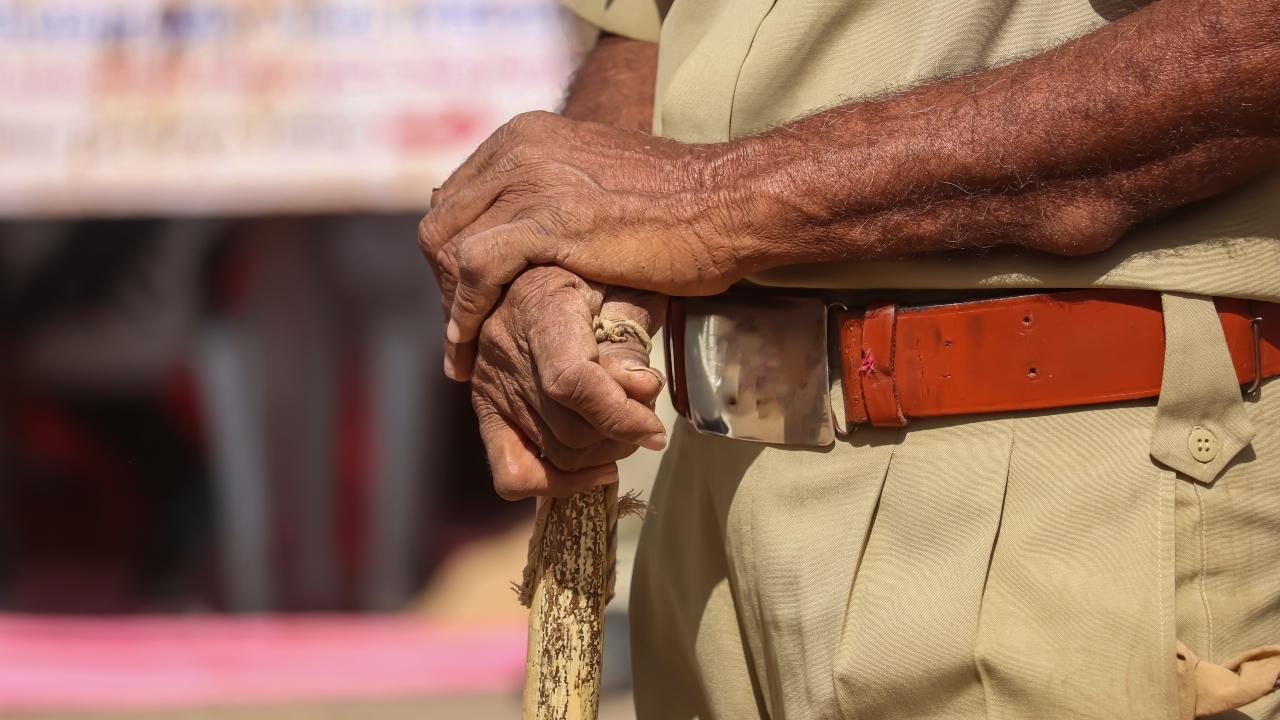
x=756, y=368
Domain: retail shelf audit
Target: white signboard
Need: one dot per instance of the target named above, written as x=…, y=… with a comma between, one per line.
x=111, y=107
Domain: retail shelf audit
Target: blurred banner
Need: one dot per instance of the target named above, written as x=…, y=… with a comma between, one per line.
x=114, y=107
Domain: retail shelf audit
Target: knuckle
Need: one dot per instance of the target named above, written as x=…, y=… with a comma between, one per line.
x=521, y=157
x=518, y=125
x=613, y=419
x=467, y=302
x=530, y=119
x=493, y=331
x=566, y=459
x=580, y=439
x=470, y=257
x=511, y=489
x=427, y=234
x=605, y=452
x=563, y=383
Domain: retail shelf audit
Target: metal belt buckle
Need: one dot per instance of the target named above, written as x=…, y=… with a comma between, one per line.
x=756, y=368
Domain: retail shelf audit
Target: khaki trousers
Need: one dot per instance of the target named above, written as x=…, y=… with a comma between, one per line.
x=1029, y=566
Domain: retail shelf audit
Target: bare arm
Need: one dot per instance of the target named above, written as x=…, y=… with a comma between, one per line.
x=1061, y=152
x=615, y=84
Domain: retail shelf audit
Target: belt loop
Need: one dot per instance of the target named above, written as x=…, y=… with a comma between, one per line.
x=1201, y=422
x=1255, y=324
x=673, y=353
x=875, y=369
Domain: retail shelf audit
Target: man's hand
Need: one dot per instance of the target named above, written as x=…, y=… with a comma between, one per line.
x=556, y=409
x=618, y=206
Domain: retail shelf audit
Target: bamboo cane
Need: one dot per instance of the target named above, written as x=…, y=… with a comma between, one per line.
x=569, y=587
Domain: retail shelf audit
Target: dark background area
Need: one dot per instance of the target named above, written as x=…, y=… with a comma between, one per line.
x=227, y=414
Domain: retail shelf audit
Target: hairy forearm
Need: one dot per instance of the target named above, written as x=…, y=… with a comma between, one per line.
x=1061, y=152
x=614, y=84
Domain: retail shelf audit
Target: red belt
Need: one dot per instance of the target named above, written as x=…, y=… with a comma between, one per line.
x=1052, y=350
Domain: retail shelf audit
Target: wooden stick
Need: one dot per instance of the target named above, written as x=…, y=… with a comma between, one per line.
x=570, y=586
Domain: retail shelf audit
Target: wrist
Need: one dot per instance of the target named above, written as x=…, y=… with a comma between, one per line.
x=542, y=285
x=753, y=198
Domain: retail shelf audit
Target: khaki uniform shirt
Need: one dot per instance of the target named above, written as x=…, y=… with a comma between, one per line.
x=732, y=68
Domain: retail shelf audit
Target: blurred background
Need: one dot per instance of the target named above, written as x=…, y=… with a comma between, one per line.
x=233, y=480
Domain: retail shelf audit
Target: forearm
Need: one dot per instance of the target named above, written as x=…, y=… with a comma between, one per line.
x=615, y=86
x=1061, y=152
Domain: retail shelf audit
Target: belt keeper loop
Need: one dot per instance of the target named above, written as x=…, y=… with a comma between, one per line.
x=875, y=370
x=673, y=355
x=1255, y=325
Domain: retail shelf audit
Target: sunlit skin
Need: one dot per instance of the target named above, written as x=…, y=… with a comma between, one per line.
x=1062, y=152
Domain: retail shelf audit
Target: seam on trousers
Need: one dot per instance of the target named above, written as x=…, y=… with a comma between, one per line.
x=995, y=541
x=857, y=567
x=857, y=564
x=1161, y=550
x=1204, y=572
x=759, y=685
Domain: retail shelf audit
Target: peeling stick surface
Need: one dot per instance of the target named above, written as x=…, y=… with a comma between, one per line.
x=570, y=586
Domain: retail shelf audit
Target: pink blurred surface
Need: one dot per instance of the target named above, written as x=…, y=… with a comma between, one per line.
x=167, y=662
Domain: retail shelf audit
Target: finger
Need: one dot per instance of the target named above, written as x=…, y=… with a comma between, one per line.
x=566, y=358
x=567, y=427
x=574, y=459
x=460, y=357
x=460, y=360
x=583, y=448
x=587, y=389
x=519, y=473
x=452, y=214
x=628, y=365
x=486, y=263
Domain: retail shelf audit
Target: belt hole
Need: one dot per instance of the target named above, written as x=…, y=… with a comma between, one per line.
x=1033, y=372
x=1026, y=319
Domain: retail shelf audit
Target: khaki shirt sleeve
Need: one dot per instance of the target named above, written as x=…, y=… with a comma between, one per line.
x=636, y=19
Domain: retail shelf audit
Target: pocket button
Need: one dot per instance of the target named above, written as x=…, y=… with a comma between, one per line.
x=1203, y=444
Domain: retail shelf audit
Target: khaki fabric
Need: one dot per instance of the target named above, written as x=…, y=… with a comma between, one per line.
x=636, y=19
x=1018, y=566
x=731, y=68
x=1199, y=391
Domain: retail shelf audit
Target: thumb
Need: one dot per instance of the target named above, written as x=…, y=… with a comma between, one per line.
x=628, y=365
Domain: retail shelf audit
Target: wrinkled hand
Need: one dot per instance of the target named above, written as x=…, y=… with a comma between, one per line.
x=611, y=205
x=556, y=409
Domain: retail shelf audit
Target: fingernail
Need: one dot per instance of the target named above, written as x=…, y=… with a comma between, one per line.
x=662, y=379
x=450, y=371
x=453, y=332
x=656, y=441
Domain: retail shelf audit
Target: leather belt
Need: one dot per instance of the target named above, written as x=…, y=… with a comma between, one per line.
x=1031, y=352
